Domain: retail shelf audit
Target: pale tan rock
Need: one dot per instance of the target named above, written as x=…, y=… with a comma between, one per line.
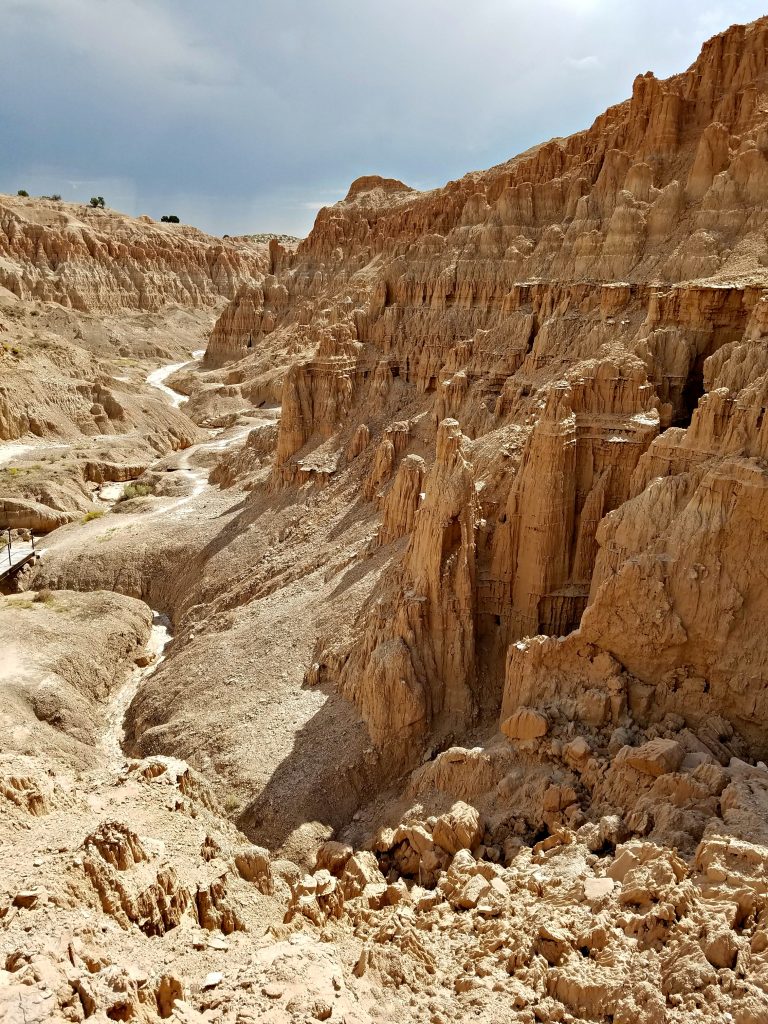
x=93, y=259
x=472, y=893
x=253, y=864
x=597, y=888
x=525, y=724
x=657, y=757
x=577, y=752
x=459, y=829
x=333, y=856
x=21, y=514
x=402, y=500
x=360, y=871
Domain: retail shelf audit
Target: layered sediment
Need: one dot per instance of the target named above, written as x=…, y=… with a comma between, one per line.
x=485, y=586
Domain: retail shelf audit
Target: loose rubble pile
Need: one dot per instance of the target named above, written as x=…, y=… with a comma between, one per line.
x=132, y=898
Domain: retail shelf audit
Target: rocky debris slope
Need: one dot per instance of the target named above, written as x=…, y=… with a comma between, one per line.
x=130, y=897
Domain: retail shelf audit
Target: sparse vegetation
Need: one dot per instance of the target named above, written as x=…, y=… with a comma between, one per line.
x=95, y=513
x=231, y=803
x=43, y=597
x=169, y=218
x=56, y=197
x=267, y=236
x=136, y=491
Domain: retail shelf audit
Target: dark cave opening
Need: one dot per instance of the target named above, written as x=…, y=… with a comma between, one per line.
x=692, y=391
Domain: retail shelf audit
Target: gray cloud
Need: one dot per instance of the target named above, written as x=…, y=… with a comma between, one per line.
x=249, y=115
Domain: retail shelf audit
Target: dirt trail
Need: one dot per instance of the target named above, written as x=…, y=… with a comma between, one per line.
x=182, y=464
x=11, y=450
x=113, y=738
x=158, y=377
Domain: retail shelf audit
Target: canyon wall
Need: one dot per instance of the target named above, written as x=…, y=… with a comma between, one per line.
x=550, y=377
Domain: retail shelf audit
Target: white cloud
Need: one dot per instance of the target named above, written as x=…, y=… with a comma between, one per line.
x=590, y=63
x=252, y=114
x=581, y=6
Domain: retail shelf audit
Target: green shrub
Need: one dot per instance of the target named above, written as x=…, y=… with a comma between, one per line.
x=23, y=193
x=95, y=513
x=170, y=218
x=97, y=201
x=136, y=491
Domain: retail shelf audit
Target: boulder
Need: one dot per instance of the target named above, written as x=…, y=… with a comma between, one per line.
x=525, y=724
x=458, y=829
x=361, y=870
x=657, y=757
x=333, y=856
x=472, y=892
x=253, y=864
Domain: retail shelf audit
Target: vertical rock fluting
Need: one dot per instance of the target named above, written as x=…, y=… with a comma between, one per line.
x=678, y=581
x=412, y=671
x=101, y=260
x=253, y=313
x=577, y=465
x=402, y=500
x=590, y=316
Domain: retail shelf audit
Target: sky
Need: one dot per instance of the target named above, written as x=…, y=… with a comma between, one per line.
x=250, y=115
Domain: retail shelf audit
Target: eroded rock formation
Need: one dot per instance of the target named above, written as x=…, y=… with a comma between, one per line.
x=589, y=317
x=473, y=624
x=91, y=259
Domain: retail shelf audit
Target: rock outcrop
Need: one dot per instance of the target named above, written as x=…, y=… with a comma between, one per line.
x=581, y=321
x=91, y=259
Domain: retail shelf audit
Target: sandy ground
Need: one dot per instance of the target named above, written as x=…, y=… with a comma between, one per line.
x=246, y=622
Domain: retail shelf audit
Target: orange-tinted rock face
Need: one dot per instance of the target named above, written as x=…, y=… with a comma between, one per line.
x=99, y=260
x=581, y=320
x=514, y=509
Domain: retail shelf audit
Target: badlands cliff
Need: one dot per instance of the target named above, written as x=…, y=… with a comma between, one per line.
x=461, y=533
x=90, y=259
x=89, y=299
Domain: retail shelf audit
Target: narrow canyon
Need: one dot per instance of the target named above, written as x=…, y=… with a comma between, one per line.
x=394, y=644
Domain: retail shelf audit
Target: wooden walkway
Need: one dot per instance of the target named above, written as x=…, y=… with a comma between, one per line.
x=14, y=556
